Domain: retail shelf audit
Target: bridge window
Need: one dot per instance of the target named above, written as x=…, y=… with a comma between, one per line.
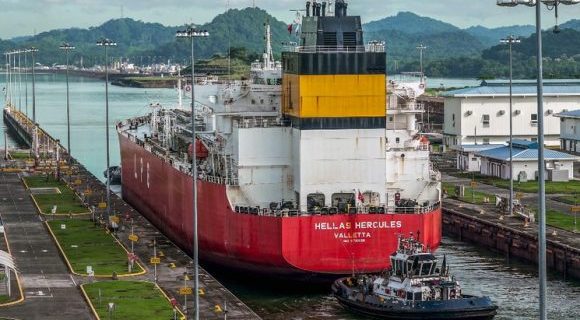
x=315, y=201
x=343, y=201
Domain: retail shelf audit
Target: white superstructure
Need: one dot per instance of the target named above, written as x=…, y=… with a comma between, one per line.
x=270, y=162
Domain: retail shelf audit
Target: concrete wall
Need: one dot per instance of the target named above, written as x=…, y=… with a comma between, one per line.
x=502, y=169
x=512, y=242
x=570, y=135
x=468, y=161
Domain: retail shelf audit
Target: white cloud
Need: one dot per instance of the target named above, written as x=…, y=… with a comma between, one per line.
x=18, y=17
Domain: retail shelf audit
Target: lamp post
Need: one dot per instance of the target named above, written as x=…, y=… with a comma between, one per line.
x=193, y=33
x=421, y=48
x=7, y=80
x=26, y=81
x=18, y=52
x=541, y=148
x=510, y=41
x=106, y=43
x=67, y=48
x=32, y=51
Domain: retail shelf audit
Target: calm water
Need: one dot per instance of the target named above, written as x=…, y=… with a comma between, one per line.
x=513, y=286
x=87, y=100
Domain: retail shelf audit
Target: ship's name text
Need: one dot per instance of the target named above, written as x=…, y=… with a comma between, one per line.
x=358, y=225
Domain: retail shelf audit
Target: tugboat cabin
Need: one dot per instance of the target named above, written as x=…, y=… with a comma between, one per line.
x=415, y=276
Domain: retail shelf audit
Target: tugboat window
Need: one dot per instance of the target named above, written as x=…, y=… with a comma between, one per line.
x=426, y=267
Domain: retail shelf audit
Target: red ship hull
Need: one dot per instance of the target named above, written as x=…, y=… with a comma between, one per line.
x=290, y=246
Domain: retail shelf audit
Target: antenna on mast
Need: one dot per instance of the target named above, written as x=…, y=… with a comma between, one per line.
x=421, y=48
x=229, y=45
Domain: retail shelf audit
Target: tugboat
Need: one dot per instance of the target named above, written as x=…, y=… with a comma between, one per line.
x=413, y=288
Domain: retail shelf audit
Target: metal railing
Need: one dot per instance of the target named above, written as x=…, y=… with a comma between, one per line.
x=330, y=211
x=336, y=49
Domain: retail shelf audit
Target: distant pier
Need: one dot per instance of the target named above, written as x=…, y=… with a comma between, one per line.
x=216, y=301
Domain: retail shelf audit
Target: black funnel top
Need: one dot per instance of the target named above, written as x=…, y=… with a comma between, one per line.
x=339, y=31
x=340, y=8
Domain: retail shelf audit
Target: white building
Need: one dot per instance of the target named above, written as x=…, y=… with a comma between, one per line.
x=570, y=131
x=495, y=162
x=467, y=158
x=480, y=115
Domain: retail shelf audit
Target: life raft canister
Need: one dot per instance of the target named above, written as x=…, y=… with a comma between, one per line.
x=201, y=151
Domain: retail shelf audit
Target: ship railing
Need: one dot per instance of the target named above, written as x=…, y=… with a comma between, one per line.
x=409, y=145
x=410, y=107
x=335, y=49
x=219, y=180
x=259, y=122
x=330, y=211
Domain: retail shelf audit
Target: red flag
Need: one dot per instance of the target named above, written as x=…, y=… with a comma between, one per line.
x=361, y=198
x=290, y=27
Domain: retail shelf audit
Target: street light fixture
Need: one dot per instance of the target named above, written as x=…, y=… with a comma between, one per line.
x=67, y=48
x=106, y=43
x=541, y=148
x=511, y=40
x=32, y=51
x=193, y=33
x=421, y=48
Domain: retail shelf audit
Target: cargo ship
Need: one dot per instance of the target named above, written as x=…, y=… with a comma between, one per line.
x=309, y=169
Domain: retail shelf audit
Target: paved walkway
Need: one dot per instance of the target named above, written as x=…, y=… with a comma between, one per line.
x=50, y=291
x=169, y=278
x=528, y=199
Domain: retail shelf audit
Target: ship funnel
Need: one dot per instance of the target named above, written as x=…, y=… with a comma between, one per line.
x=324, y=9
x=316, y=9
x=308, y=8
x=340, y=8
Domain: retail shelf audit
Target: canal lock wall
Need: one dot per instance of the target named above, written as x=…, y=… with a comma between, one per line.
x=513, y=242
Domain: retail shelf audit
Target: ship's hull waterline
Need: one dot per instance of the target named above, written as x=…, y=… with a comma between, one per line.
x=297, y=247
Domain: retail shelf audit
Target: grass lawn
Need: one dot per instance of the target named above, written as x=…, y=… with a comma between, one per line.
x=4, y=299
x=560, y=220
x=133, y=300
x=66, y=202
x=20, y=155
x=572, y=199
x=86, y=245
x=527, y=187
x=471, y=196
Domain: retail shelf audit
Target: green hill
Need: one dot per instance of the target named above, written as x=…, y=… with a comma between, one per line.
x=410, y=23
x=451, y=52
x=491, y=36
x=153, y=42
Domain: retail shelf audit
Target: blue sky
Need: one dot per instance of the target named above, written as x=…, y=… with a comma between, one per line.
x=24, y=17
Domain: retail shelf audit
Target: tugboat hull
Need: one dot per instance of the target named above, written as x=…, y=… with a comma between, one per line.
x=472, y=308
